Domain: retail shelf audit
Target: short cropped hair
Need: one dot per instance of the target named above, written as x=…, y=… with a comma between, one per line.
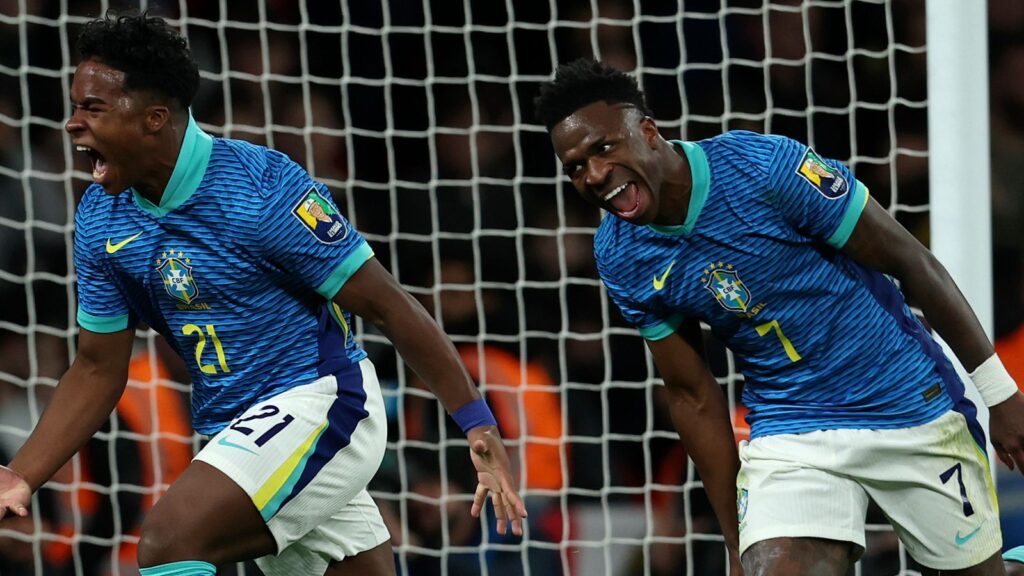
x=582, y=82
x=152, y=56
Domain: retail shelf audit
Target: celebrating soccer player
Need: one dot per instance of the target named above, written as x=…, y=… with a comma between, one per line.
x=261, y=310
x=785, y=256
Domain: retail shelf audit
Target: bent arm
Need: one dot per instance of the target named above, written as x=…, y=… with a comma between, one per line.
x=700, y=414
x=373, y=294
x=879, y=242
x=82, y=402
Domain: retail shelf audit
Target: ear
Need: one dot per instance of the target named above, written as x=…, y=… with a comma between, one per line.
x=157, y=116
x=649, y=129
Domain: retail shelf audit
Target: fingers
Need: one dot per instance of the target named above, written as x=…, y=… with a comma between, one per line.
x=9, y=509
x=478, y=500
x=515, y=509
x=500, y=511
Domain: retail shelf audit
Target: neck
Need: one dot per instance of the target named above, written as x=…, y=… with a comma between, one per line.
x=162, y=159
x=674, y=196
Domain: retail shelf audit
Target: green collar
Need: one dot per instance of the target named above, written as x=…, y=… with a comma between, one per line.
x=701, y=183
x=188, y=172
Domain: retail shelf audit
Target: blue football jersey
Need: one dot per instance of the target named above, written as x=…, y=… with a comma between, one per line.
x=236, y=268
x=823, y=342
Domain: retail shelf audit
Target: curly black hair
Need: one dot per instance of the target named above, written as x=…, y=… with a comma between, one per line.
x=582, y=82
x=151, y=54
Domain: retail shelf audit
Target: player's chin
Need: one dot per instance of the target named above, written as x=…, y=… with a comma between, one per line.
x=110, y=182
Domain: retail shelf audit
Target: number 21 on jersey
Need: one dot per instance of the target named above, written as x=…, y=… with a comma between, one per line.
x=192, y=329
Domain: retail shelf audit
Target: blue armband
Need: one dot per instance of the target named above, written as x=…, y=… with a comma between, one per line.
x=474, y=414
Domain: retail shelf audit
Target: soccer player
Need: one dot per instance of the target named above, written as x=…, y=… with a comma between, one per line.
x=260, y=309
x=785, y=256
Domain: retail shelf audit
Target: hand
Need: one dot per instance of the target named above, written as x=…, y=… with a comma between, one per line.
x=494, y=477
x=1006, y=426
x=15, y=494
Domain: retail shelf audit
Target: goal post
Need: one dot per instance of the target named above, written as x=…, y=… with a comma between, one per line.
x=960, y=161
x=418, y=117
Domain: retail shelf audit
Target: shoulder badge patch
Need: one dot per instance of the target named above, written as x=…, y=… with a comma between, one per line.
x=320, y=217
x=826, y=180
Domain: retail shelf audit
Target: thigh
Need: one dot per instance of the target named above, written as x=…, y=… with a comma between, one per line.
x=379, y=561
x=934, y=484
x=206, y=516
x=302, y=456
x=787, y=489
x=799, y=557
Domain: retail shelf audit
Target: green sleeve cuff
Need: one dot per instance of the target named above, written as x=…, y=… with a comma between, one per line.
x=662, y=329
x=102, y=324
x=344, y=271
x=1015, y=555
x=858, y=200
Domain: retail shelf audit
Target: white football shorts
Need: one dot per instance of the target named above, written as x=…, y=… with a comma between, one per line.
x=932, y=481
x=305, y=456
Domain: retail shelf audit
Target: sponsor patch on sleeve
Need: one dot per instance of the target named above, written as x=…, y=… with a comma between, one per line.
x=826, y=180
x=320, y=217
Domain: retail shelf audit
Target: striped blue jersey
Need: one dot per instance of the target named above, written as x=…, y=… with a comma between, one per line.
x=823, y=342
x=236, y=268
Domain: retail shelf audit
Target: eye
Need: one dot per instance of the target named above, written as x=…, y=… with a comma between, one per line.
x=573, y=169
x=604, y=147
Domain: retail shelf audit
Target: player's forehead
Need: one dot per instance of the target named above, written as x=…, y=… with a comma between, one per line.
x=95, y=80
x=592, y=123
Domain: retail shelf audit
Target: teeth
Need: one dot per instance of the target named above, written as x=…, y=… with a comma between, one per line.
x=617, y=189
x=81, y=148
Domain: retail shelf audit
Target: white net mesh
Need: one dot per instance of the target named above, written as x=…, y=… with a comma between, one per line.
x=418, y=115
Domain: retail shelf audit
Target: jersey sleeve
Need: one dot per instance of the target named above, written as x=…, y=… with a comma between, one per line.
x=304, y=232
x=102, y=307
x=818, y=196
x=651, y=324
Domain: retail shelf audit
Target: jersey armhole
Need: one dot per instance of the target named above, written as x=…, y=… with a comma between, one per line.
x=102, y=324
x=858, y=201
x=348, y=267
x=662, y=329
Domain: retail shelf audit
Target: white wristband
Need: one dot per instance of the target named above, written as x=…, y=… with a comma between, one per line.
x=993, y=382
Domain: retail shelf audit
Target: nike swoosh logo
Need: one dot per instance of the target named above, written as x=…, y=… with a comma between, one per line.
x=961, y=540
x=225, y=442
x=659, y=283
x=111, y=248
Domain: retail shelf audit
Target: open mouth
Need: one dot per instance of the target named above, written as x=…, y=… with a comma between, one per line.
x=624, y=199
x=99, y=162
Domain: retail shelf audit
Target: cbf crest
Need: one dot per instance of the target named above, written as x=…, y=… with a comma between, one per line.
x=723, y=281
x=176, y=271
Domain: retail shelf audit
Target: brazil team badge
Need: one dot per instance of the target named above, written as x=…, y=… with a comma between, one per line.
x=320, y=217
x=828, y=181
x=177, y=276
x=724, y=282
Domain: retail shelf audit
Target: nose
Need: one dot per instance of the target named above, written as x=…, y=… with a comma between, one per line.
x=74, y=123
x=597, y=172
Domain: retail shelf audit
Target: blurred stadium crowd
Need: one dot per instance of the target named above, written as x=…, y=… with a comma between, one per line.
x=454, y=188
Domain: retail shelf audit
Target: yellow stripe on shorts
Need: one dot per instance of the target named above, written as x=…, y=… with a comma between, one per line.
x=276, y=488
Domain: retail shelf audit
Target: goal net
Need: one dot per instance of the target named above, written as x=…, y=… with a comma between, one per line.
x=418, y=116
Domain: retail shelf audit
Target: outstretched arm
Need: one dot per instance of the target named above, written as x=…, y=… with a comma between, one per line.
x=700, y=414
x=374, y=295
x=880, y=242
x=84, y=399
